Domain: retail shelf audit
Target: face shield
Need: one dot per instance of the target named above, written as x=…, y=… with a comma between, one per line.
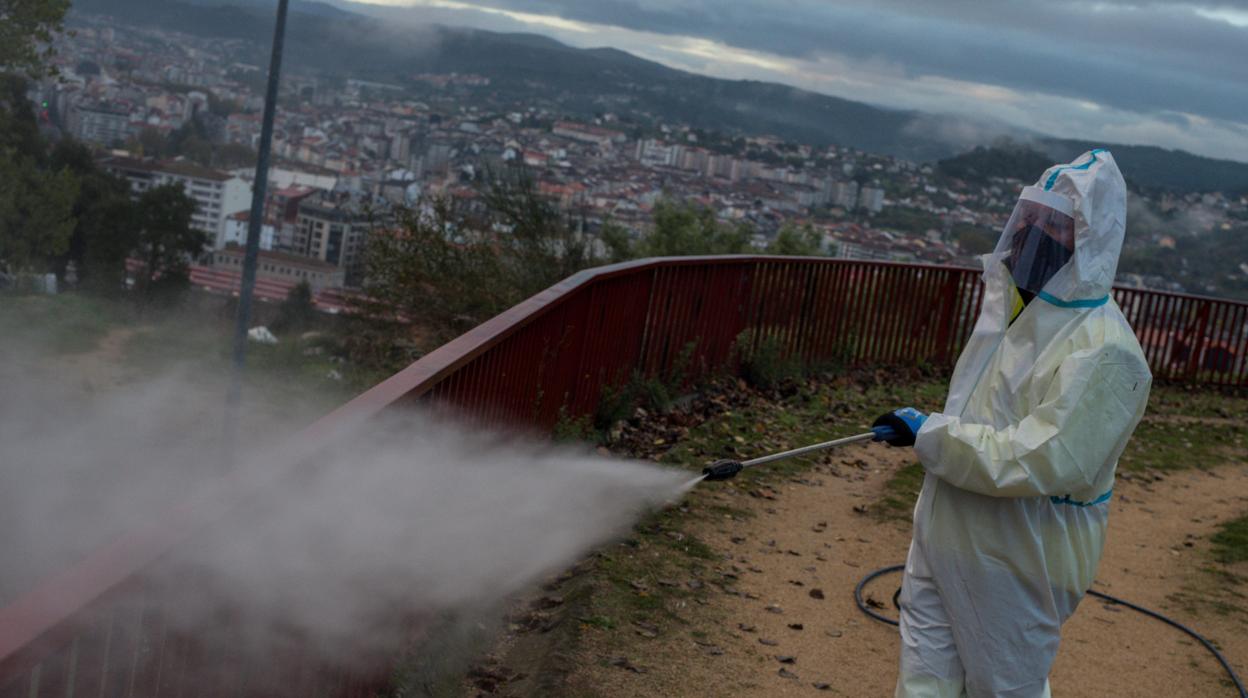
x=1039, y=239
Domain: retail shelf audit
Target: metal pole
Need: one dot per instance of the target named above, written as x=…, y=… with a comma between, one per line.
x=728, y=469
x=808, y=449
x=254, y=223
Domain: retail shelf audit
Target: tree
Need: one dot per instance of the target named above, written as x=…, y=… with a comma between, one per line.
x=150, y=143
x=36, y=213
x=166, y=242
x=974, y=239
x=222, y=107
x=618, y=241
x=435, y=270
x=683, y=229
x=797, y=242
x=19, y=130
x=26, y=31
x=297, y=311
x=542, y=242
x=105, y=231
x=443, y=267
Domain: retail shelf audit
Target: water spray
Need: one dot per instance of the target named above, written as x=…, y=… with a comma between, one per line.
x=727, y=469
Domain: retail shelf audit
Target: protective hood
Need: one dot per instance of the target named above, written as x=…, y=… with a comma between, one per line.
x=1091, y=189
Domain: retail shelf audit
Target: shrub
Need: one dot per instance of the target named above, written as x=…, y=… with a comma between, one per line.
x=763, y=359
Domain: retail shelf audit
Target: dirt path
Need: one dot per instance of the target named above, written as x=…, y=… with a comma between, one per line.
x=814, y=536
x=102, y=367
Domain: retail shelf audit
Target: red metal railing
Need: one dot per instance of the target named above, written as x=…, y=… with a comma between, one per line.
x=99, y=626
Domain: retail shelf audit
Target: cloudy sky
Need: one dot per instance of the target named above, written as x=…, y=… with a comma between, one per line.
x=1173, y=74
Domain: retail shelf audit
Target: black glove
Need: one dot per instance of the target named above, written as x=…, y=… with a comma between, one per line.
x=899, y=427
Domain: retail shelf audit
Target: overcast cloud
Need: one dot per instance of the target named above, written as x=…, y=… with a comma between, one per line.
x=1173, y=74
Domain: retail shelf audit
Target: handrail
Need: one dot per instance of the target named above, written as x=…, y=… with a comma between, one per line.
x=421, y=375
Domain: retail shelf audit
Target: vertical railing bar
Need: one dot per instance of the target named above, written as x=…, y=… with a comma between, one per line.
x=906, y=343
x=902, y=278
x=810, y=303
x=784, y=308
x=1173, y=323
x=1230, y=319
x=819, y=314
x=1241, y=353
x=1156, y=344
x=839, y=330
x=1239, y=345
x=1217, y=317
x=799, y=297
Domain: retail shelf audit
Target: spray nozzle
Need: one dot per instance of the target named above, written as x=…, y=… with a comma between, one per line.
x=722, y=470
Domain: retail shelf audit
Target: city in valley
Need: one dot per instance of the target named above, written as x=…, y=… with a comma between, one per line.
x=163, y=107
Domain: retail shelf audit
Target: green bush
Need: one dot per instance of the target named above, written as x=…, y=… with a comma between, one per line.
x=298, y=311
x=572, y=429
x=654, y=393
x=763, y=359
x=1230, y=544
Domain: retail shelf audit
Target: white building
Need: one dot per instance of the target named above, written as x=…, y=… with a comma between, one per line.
x=99, y=124
x=843, y=194
x=653, y=153
x=283, y=267
x=216, y=194
x=284, y=178
x=871, y=199
x=234, y=232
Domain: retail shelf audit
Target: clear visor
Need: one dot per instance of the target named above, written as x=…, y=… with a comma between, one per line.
x=1037, y=242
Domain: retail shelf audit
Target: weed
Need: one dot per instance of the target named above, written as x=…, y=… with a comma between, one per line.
x=901, y=492
x=652, y=393
x=600, y=622
x=573, y=429
x=1230, y=543
x=763, y=359
x=678, y=374
x=1176, y=445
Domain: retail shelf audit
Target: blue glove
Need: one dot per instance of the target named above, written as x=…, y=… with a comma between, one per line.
x=898, y=428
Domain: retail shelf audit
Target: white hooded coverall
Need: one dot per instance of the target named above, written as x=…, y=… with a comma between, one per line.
x=1010, y=523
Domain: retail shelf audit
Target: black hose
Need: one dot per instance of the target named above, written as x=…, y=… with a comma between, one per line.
x=862, y=606
x=1174, y=623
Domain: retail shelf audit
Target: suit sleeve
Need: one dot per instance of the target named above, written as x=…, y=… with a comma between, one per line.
x=1088, y=413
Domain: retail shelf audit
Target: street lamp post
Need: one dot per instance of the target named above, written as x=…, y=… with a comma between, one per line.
x=252, y=250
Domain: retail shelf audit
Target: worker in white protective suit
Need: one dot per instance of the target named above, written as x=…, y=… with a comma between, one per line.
x=1010, y=524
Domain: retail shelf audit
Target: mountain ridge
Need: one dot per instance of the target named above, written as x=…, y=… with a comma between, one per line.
x=519, y=64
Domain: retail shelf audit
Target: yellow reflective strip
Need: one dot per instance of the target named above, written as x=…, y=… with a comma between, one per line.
x=1018, y=302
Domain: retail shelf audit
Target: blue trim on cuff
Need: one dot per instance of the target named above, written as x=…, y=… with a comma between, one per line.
x=1074, y=503
x=1085, y=303
x=1053, y=177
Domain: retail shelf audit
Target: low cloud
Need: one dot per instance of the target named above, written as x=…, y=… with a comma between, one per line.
x=1098, y=64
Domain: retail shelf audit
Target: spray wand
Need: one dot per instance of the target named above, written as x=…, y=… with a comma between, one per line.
x=728, y=469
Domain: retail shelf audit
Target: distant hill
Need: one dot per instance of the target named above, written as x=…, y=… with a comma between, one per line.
x=1160, y=168
x=1002, y=160
x=1145, y=166
x=326, y=38
x=323, y=36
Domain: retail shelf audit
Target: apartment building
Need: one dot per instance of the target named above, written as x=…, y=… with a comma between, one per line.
x=99, y=124
x=217, y=194
x=332, y=228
